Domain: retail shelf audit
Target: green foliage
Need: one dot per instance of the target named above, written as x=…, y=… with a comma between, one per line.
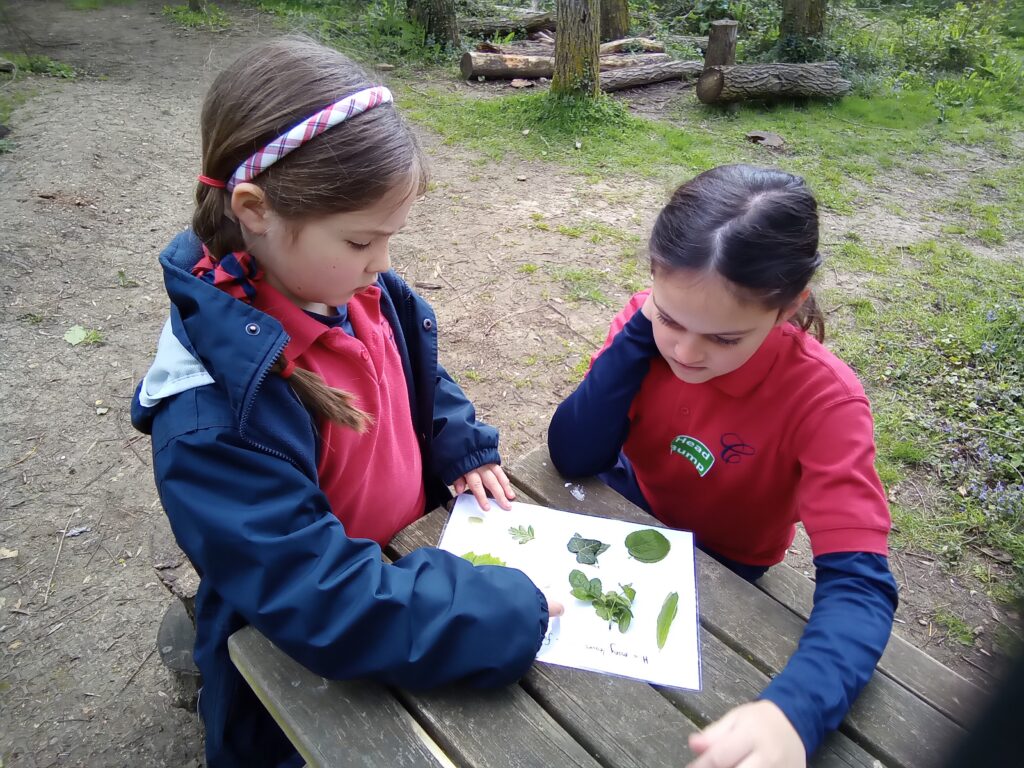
x=521, y=535
x=956, y=628
x=482, y=559
x=666, y=617
x=211, y=18
x=93, y=5
x=614, y=607
x=586, y=550
x=6, y=146
x=647, y=545
x=41, y=65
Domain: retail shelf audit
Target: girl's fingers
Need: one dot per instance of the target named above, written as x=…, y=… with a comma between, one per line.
x=506, y=484
x=476, y=485
x=497, y=489
x=460, y=485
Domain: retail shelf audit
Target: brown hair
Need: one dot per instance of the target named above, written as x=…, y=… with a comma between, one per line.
x=347, y=168
x=757, y=227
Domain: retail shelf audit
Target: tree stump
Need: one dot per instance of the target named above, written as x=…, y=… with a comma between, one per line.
x=722, y=85
x=631, y=77
x=721, y=44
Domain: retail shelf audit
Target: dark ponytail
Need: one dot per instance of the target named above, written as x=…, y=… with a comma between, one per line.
x=756, y=227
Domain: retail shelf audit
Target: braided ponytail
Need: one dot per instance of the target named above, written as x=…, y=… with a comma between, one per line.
x=219, y=232
x=328, y=403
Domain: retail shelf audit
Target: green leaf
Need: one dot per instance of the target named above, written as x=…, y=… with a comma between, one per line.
x=482, y=559
x=666, y=617
x=594, y=588
x=628, y=590
x=75, y=335
x=624, y=619
x=648, y=545
x=578, y=579
x=521, y=534
x=475, y=519
x=586, y=550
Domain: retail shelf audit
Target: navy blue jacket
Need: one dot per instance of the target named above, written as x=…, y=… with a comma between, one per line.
x=235, y=457
x=855, y=594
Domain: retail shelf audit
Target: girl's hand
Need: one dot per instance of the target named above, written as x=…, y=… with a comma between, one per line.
x=489, y=477
x=754, y=735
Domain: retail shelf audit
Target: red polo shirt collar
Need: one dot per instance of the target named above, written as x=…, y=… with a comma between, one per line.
x=745, y=379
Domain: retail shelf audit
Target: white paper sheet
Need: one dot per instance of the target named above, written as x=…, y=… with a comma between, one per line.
x=580, y=638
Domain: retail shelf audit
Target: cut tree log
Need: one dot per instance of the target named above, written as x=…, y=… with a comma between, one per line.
x=721, y=85
x=531, y=22
x=631, y=77
x=631, y=45
x=700, y=43
x=505, y=66
x=721, y=50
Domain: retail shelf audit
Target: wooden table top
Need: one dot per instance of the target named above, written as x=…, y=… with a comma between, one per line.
x=907, y=716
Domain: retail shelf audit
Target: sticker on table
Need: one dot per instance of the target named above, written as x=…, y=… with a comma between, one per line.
x=629, y=591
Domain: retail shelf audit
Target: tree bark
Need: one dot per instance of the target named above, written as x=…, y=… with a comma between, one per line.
x=576, y=61
x=802, y=29
x=197, y=6
x=438, y=20
x=720, y=85
x=614, y=19
x=721, y=44
x=530, y=22
x=631, y=44
x=631, y=77
x=506, y=66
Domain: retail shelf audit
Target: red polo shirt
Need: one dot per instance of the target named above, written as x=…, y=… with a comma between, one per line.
x=741, y=458
x=373, y=480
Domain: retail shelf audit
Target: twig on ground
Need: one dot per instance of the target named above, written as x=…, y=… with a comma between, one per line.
x=565, y=317
x=60, y=547
x=23, y=458
x=137, y=670
x=510, y=315
x=977, y=667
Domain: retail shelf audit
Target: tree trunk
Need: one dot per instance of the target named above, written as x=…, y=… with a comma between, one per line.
x=576, y=66
x=721, y=44
x=802, y=29
x=631, y=44
x=631, y=77
x=197, y=6
x=720, y=85
x=614, y=19
x=506, y=66
x=438, y=20
x=530, y=22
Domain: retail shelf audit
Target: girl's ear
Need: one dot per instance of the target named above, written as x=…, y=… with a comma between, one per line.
x=249, y=205
x=793, y=307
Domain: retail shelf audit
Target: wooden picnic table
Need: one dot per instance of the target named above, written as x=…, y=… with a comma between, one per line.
x=913, y=709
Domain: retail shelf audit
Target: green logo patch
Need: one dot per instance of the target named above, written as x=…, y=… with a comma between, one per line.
x=695, y=452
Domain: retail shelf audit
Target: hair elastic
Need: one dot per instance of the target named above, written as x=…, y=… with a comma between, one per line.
x=288, y=369
x=311, y=127
x=216, y=184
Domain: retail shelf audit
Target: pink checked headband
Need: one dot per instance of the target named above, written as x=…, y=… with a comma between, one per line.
x=311, y=127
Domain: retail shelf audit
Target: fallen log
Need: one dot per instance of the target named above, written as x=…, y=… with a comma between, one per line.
x=631, y=45
x=531, y=22
x=698, y=42
x=506, y=66
x=721, y=85
x=631, y=77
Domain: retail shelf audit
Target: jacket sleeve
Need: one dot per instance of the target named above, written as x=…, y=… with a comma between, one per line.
x=590, y=426
x=855, y=599
x=263, y=537
x=459, y=442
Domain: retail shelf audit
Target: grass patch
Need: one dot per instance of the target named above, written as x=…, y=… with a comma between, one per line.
x=95, y=5
x=938, y=339
x=584, y=284
x=210, y=18
x=956, y=628
x=41, y=65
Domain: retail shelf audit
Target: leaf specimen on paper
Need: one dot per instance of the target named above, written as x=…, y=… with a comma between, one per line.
x=521, y=534
x=482, y=559
x=667, y=616
x=586, y=550
x=647, y=545
x=612, y=606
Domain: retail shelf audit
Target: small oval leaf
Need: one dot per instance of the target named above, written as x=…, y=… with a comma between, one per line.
x=666, y=617
x=647, y=545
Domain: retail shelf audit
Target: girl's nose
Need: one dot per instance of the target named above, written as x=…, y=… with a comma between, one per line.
x=381, y=261
x=688, y=349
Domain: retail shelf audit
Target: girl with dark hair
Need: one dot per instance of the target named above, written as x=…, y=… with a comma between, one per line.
x=714, y=406
x=299, y=415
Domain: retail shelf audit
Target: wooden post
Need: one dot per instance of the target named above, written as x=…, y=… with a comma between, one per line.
x=721, y=43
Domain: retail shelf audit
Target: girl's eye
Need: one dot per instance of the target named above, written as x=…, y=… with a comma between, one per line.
x=358, y=246
x=665, y=321
x=725, y=341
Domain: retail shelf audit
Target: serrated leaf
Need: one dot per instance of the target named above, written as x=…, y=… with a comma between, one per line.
x=483, y=559
x=75, y=335
x=628, y=590
x=521, y=534
x=666, y=617
x=647, y=545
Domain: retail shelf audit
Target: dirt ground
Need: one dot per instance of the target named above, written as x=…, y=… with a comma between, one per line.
x=100, y=179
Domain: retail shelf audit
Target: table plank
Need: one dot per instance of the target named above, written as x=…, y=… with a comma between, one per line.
x=625, y=723
x=953, y=695
x=887, y=719
x=334, y=724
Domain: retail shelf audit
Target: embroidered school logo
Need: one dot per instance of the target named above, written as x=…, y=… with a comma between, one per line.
x=693, y=450
x=734, y=449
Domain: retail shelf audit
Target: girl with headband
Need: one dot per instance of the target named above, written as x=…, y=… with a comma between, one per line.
x=714, y=406
x=298, y=412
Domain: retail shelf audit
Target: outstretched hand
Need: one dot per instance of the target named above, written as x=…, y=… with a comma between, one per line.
x=488, y=478
x=754, y=735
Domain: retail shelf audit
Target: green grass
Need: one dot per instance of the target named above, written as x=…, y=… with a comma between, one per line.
x=956, y=628
x=94, y=5
x=212, y=18
x=584, y=284
x=40, y=65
